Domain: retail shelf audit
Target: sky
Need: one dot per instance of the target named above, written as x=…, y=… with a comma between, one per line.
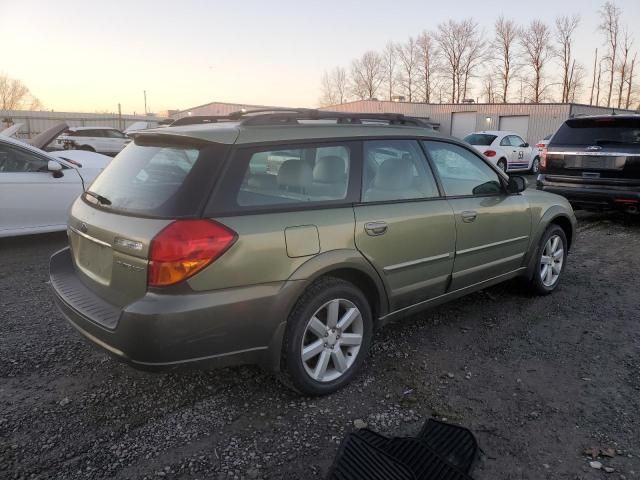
x=89, y=56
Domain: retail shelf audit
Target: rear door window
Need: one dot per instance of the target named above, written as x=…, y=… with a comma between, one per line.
x=480, y=139
x=158, y=179
x=289, y=175
x=598, y=131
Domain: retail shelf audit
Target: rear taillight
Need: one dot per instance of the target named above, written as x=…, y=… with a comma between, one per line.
x=543, y=159
x=539, y=145
x=184, y=248
x=489, y=153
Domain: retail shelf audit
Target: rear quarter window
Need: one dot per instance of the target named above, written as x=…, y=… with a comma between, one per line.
x=159, y=178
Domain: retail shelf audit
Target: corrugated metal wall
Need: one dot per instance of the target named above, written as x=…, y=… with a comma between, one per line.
x=543, y=118
x=36, y=122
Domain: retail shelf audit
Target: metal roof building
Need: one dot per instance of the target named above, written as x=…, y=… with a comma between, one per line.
x=217, y=108
x=533, y=121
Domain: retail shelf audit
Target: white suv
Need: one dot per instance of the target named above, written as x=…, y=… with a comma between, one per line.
x=96, y=139
x=507, y=150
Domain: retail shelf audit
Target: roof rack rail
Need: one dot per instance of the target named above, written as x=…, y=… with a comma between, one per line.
x=294, y=116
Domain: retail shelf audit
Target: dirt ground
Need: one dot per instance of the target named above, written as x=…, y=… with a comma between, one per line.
x=538, y=379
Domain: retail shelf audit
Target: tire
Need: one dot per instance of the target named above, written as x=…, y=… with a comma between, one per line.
x=87, y=148
x=535, y=166
x=543, y=282
x=502, y=165
x=304, y=376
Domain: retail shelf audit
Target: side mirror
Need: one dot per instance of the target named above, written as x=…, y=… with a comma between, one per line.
x=524, y=145
x=516, y=184
x=55, y=168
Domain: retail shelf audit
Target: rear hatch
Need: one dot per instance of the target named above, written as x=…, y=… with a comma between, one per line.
x=598, y=150
x=153, y=182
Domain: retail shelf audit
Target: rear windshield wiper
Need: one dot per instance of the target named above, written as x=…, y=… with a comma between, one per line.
x=102, y=200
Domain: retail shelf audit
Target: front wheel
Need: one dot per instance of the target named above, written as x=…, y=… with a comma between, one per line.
x=551, y=260
x=328, y=336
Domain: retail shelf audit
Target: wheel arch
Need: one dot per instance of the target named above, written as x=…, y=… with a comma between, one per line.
x=555, y=215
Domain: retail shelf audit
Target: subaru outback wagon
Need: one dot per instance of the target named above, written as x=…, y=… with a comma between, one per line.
x=286, y=238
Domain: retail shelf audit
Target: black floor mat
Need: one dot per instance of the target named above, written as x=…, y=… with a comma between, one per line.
x=358, y=460
x=456, y=444
x=440, y=452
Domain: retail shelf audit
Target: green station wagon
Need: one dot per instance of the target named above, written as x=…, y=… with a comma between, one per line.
x=286, y=238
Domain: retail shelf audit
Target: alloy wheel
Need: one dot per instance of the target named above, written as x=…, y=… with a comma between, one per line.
x=332, y=340
x=535, y=168
x=551, y=261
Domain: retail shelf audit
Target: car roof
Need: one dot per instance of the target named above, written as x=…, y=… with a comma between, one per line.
x=236, y=133
x=596, y=117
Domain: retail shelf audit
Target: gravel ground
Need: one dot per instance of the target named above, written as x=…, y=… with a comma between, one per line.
x=538, y=379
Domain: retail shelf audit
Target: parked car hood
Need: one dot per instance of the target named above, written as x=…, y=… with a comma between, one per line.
x=49, y=135
x=12, y=130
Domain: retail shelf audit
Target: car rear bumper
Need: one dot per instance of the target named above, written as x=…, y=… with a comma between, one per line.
x=163, y=331
x=590, y=193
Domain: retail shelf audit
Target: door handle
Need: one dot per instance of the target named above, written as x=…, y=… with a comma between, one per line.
x=468, y=216
x=374, y=229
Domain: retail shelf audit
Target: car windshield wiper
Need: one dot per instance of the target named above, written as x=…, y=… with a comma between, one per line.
x=102, y=200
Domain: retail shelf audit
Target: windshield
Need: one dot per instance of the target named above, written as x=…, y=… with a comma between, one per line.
x=598, y=131
x=480, y=139
x=158, y=180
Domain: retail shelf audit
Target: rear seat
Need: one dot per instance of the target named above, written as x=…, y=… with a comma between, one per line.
x=329, y=178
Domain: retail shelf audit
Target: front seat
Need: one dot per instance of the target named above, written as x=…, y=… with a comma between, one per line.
x=394, y=181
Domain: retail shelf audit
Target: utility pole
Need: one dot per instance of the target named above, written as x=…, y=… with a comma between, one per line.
x=145, y=102
x=119, y=117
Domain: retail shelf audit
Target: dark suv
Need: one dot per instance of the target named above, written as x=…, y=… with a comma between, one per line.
x=595, y=162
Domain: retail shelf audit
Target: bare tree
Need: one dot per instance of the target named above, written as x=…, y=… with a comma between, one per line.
x=328, y=94
x=473, y=54
x=489, y=89
x=598, y=82
x=427, y=58
x=630, y=80
x=367, y=74
x=408, y=68
x=565, y=28
x=390, y=56
x=504, y=45
x=593, y=82
x=623, y=67
x=610, y=26
x=14, y=95
x=578, y=72
x=536, y=43
x=461, y=48
x=340, y=84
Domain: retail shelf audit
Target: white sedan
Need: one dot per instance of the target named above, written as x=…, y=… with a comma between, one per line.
x=37, y=188
x=506, y=149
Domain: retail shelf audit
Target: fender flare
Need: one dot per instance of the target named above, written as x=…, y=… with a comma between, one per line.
x=314, y=268
x=551, y=214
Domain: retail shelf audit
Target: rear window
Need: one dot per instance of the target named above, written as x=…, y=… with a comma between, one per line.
x=598, y=131
x=480, y=139
x=158, y=179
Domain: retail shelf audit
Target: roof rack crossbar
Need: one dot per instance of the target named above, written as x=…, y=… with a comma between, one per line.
x=293, y=116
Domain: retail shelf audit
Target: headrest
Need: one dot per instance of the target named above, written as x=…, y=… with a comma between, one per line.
x=295, y=173
x=329, y=169
x=395, y=174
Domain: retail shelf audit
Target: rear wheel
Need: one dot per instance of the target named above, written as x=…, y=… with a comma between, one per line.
x=551, y=260
x=502, y=165
x=328, y=336
x=535, y=166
